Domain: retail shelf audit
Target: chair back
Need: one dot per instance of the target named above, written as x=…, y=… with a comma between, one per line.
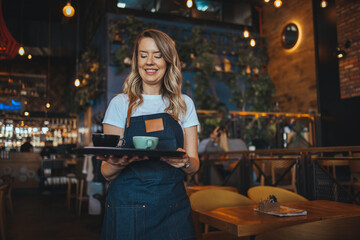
x=3, y=190
x=209, y=199
x=192, y=189
x=355, y=175
x=282, y=195
x=354, y=166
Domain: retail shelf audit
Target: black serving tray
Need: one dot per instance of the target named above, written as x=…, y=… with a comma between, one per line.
x=118, y=151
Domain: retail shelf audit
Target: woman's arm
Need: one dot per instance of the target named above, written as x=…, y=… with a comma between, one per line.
x=191, y=148
x=112, y=166
x=191, y=156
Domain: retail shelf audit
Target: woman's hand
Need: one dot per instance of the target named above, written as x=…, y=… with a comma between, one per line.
x=120, y=162
x=177, y=162
x=112, y=166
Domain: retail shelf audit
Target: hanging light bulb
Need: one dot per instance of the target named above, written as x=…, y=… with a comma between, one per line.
x=29, y=56
x=68, y=10
x=277, y=3
x=266, y=1
x=189, y=3
x=26, y=113
x=21, y=51
x=323, y=4
x=246, y=33
x=252, y=42
x=47, y=105
x=77, y=82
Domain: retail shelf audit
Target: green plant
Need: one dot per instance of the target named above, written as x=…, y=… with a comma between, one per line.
x=91, y=82
x=123, y=32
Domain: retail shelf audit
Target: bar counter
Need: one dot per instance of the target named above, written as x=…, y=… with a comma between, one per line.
x=23, y=166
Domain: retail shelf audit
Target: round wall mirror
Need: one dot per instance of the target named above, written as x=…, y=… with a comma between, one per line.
x=289, y=35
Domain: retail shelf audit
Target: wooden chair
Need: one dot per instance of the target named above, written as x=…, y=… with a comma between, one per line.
x=332, y=229
x=273, y=166
x=9, y=180
x=282, y=195
x=284, y=164
x=3, y=190
x=81, y=196
x=70, y=194
x=355, y=176
x=330, y=165
x=192, y=189
x=213, y=198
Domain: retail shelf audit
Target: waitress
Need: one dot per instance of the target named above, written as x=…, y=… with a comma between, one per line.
x=147, y=198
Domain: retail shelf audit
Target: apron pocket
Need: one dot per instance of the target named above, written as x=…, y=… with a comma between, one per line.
x=125, y=222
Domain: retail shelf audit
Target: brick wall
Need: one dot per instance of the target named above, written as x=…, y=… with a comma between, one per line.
x=348, y=28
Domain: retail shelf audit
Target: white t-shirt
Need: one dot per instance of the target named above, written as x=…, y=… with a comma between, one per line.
x=116, y=112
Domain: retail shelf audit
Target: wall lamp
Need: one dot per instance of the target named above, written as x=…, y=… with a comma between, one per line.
x=340, y=53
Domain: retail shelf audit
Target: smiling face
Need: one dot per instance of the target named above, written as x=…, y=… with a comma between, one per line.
x=151, y=66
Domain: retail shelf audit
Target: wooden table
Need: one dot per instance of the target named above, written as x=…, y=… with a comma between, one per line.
x=244, y=221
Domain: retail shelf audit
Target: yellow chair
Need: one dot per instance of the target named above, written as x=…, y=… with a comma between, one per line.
x=282, y=195
x=209, y=199
x=192, y=189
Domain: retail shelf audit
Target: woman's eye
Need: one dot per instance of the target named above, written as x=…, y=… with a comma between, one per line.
x=143, y=56
x=157, y=56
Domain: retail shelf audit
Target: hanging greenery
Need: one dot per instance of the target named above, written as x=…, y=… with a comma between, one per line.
x=255, y=94
x=91, y=82
x=124, y=31
x=203, y=60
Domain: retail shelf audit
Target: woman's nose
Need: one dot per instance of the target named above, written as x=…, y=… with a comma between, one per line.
x=149, y=61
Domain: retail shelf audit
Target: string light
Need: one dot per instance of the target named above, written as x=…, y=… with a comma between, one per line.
x=277, y=3
x=47, y=105
x=77, y=82
x=189, y=3
x=252, y=42
x=26, y=114
x=246, y=33
x=68, y=10
x=266, y=1
x=29, y=56
x=21, y=51
x=323, y=4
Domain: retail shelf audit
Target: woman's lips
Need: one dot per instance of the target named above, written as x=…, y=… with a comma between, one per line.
x=150, y=71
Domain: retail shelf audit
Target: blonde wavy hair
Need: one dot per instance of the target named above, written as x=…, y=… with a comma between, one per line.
x=172, y=80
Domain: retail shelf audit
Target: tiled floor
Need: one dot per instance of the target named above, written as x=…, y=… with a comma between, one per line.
x=38, y=217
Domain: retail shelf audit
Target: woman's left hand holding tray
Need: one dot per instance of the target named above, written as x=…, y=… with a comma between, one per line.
x=120, y=161
x=108, y=140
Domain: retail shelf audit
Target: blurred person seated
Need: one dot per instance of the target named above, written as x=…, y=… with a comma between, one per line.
x=211, y=144
x=48, y=150
x=219, y=141
x=27, y=146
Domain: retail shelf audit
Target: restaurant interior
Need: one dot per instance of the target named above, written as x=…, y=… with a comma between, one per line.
x=281, y=78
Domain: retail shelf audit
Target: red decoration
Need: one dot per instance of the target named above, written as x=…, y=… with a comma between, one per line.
x=8, y=45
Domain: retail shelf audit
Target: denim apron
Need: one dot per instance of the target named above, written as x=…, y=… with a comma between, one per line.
x=148, y=199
